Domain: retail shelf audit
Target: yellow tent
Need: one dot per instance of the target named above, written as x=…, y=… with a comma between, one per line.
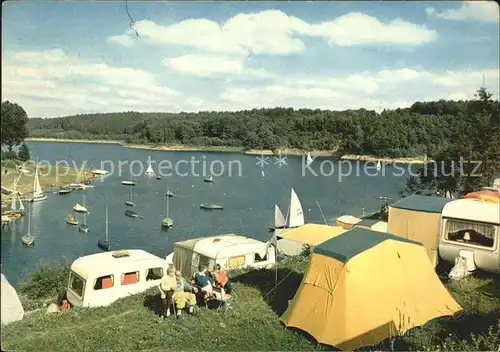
x=313, y=234
x=418, y=218
x=375, y=225
x=347, y=221
x=364, y=286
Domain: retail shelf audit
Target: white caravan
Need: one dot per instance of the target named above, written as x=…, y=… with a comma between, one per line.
x=98, y=280
x=470, y=228
x=230, y=251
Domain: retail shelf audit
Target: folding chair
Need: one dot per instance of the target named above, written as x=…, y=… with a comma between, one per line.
x=225, y=299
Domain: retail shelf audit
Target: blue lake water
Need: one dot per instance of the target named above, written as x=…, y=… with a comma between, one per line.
x=247, y=197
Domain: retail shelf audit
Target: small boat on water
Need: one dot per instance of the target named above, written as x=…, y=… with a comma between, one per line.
x=71, y=219
x=81, y=208
x=211, y=207
x=100, y=172
x=167, y=222
x=130, y=202
x=84, y=227
x=105, y=244
x=209, y=180
x=16, y=199
x=77, y=186
x=128, y=183
x=379, y=165
x=64, y=191
x=27, y=239
x=132, y=214
x=38, y=194
x=158, y=177
x=169, y=194
x=309, y=159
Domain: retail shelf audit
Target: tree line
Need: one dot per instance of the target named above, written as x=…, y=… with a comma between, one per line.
x=424, y=128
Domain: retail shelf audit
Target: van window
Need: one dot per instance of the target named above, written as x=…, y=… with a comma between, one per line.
x=236, y=261
x=104, y=282
x=76, y=284
x=257, y=258
x=154, y=274
x=470, y=233
x=130, y=278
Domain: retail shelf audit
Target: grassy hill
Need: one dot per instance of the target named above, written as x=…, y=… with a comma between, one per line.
x=132, y=323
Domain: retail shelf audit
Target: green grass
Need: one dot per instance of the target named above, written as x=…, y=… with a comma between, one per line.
x=132, y=323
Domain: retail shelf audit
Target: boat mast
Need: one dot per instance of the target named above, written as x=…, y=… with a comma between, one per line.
x=107, y=236
x=29, y=223
x=168, y=202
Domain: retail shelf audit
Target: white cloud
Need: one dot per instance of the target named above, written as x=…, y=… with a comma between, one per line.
x=52, y=83
x=274, y=32
x=215, y=65
x=486, y=11
x=379, y=90
x=430, y=11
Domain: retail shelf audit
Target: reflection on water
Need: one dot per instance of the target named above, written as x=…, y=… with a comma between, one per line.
x=248, y=203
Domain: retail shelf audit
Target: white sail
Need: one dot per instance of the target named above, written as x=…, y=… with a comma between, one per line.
x=295, y=215
x=37, y=189
x=149, y=170
x=21, y=206
x=309, y=159
x=379, y=166
x=279, y=219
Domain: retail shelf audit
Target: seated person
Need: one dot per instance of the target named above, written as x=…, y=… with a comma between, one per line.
x=182, y=296
x=167, y=285
x=221, y=279
x=203, y=279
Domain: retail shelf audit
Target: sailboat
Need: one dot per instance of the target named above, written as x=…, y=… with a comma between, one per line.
x=295, y=216
x=130, y=202
x=211, y=206
x=295, y=213
x=209, y=180
x=167, y=222
x=81, y=208
x=38, y=194
x=84, y=227
x=279, y=219
x=28, y=240
x=149, y=171
x=16, y=199
x=71, y=219
x=132, y=214
x=105, y=244
x=129, y=182
x=379, y=165
x=309, y=159
x=169, y=194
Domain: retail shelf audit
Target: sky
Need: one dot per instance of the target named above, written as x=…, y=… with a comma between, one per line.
x=65, y=58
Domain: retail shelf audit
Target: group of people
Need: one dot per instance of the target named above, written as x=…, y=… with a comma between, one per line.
x=183, y=294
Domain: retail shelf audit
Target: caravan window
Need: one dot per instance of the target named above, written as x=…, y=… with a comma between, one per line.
x=154, y=274
x=257, y=258
x=236, y=262
x=470, y=233
x=76, y=284
x=104, y=282
x=199, y=259
x=130, y=278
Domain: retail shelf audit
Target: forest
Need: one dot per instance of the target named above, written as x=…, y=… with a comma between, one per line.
x=423, y=128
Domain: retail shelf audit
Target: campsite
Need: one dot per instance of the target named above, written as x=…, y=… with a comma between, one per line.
x=133, y=324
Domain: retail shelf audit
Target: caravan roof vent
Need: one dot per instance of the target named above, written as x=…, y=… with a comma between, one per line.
x=121, y=254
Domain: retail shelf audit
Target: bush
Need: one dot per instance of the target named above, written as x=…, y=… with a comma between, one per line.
x=24, y=152
x=47, y=281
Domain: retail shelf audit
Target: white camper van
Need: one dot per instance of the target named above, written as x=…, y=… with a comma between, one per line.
x=230, y=251
x=98, y=280
x=471, y=228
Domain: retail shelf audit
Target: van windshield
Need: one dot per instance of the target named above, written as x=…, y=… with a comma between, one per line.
x=76, y=284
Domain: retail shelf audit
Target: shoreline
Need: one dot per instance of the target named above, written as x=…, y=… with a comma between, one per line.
x=251, y=152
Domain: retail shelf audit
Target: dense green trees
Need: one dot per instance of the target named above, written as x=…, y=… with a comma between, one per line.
x=24, y=152
x=13, y=125
x=472, y=157
x=424, y=128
